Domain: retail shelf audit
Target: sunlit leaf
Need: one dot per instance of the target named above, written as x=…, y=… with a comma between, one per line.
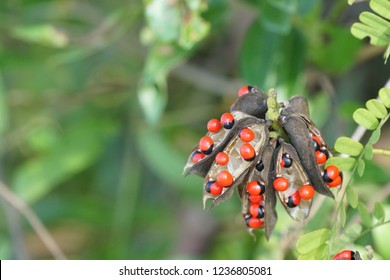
x=375, y=135
x=350, y=2
x=360, y=167
x=381, y=235
x=368, y=151
x=384, y=94
x=372, y=26
x=352, y=197
x=365, y=118
x=344, y=164
x=377, y=108
x=346, y=145
x=353, y=231
x=379, y=211
x=381, y=7
x=364, y=214
x=319, y=254
x=313, y=240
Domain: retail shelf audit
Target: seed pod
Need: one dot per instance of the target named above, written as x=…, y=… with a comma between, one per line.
x=298, y=133
x=253, y=103
x=296, y=176
x=233, y=173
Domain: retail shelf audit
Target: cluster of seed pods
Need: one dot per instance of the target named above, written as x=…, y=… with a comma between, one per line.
x=264, y=158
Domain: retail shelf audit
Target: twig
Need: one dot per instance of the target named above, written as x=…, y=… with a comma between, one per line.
x=34, y=221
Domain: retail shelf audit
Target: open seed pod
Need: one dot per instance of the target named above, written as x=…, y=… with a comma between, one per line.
x=263, y=157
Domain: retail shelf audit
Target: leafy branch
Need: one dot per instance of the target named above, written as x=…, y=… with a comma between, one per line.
x=375, y=26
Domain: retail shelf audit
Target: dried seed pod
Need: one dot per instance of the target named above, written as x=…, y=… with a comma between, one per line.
x=239, y=152
x=233, y=173
x=253, y=103
x=299, y=135
x=296, y=177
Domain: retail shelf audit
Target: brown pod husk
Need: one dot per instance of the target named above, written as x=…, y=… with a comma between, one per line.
x=298, y=133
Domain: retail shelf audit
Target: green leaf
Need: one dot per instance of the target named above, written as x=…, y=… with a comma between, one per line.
x=379, y=211
x=376, y=134
x=311, y=241
x=276, y=15
x=368, y=151
x=381, y=7
x=377, y=108
x=365, y=118
x=381, y=235
x=344, y=164
x=352, y=197
x=350, y=2
x=259, y=54
x=320, y=253
x=360, y=167
x=346, y=145
x=364, y=214
x=384, y=94
x=372, y=26
x=43, y=34
x=354, y=231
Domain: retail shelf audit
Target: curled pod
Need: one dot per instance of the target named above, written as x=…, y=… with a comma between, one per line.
x=299, y=134
x=233, y=173
x=297, y=179
x=200, y=161
x=256, y=193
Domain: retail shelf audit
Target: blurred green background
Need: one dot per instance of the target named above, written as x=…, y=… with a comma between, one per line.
x=102, y=101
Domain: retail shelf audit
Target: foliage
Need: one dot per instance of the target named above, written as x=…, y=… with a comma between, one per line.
x=101, y=101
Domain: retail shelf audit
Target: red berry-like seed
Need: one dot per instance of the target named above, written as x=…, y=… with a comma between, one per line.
x=247, y=152
x=316, y=142
x=255, y=198
x=227, y=120
x=306, y=192
x=253, y=209
x=322, y=156
x=247, y=135
x=293, y=200
x=222, y=158
x=214, y=125
x=206, y=144
x=225, y=179
x=254, y=222
x=286, y=161
x=335, y=182
x=331, y=173
x=256, y=210
x=213, y=188
x=255, y=188
x=280, y=184
x=345, y=255
x=244, y=90
x=197, y=156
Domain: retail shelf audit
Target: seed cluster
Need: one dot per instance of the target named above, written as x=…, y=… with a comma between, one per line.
x=263, y=157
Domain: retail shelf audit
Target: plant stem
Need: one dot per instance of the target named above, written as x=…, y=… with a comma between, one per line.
x=34, y=221
x=382, y=152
